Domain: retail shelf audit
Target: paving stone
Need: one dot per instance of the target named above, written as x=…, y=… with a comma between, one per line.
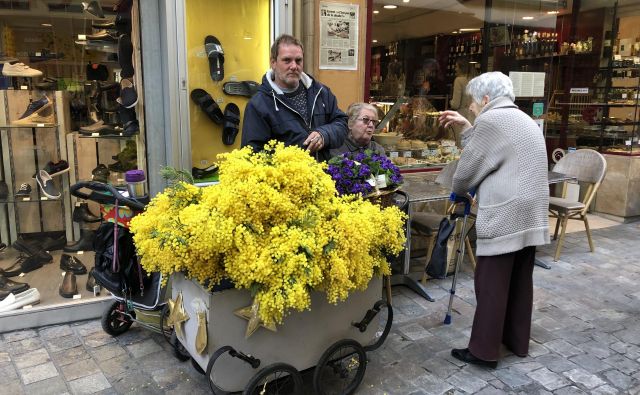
x=89, y=384
x=431, y=384
x=5, y=357
x=143, y=348
x=556, y=363
x=25, y=345
x=51, y=332
x=134, y=335
x=13, y=387
x=32, y=358
x=548, y=379
x=596, y=348
x=52, y=386
x=80, y=369
x=70, y=355
x=569, y=390
x=618, y=379
x=490, y=390
x=563, y=348
x=415, y=332
x=629, y=350
x=622, y=363
x=107, y=351
x=63, y=343
x=604, y=390
x=36, y=373
x=536, y=349
x=590, y=363
x=115, y=366
x=19, y=335
x=466, y=382
x=584, y=378
x=87, y=328
x=7, y=373
x=512, y=377
x=98, y=339
x=630, y=335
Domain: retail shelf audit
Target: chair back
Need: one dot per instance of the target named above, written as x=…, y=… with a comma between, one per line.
x=586, y=165
x=445, y=178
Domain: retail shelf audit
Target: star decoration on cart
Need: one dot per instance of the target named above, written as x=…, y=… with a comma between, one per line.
x=250, y=313
x=177, y=315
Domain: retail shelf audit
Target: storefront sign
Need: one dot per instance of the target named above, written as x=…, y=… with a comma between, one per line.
x=527, y=84
x=538, y=109
x=338, y=36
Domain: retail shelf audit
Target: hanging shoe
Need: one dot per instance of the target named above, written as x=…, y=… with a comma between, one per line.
x=19, y=70
x=81, y=214
x=47, y=186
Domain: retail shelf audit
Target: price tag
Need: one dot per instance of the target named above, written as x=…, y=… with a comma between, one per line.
x=393, y=154
x=628, y=142
x=96, y=290
x=624, y=95
x=120, y=180
x=77, y=296
x=617, y=57
x=381, y=181
x=406, y=154
x=425, y=152
x=62, y=274
x=95, y=134
x=40, y=125
x=82, y=37
x=44, y=198
x=24, y=87
x=27, y=307
x=80, y=252
x=21, y=275
x=38, y=54
x=26, y=199
x=636, y=60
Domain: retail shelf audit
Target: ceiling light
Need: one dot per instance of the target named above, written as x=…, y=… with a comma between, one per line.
x=376, y=11
x=374, y=41
x=473, y=62
x=553, y=12
x=527, y=18
x=47, y=25
x=390, y=6
x=470, y=29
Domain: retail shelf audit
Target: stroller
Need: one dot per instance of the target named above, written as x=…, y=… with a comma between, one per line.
x=138, y=296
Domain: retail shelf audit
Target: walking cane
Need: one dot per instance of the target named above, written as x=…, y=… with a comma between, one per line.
x=460, y=250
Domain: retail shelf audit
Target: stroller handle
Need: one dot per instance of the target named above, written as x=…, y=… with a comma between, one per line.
x=463, y=199
x=104, y=194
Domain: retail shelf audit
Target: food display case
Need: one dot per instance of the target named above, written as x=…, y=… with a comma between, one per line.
x=411, y=134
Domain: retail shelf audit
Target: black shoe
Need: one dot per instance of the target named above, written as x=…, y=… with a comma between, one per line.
x=91, y=283
x=26, y=264
x=51, y=244
x=69, y=286
x=84, y=244
x=204, y=173
x=70, y=263
x=82, y=214
x=34, y=246
x=11, y=287
x=465, y=355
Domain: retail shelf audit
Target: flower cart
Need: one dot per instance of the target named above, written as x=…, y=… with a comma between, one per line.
x=273, y=272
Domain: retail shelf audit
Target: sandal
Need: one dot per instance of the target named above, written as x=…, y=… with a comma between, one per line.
x=208, y=105
x=241, y=88
x=214, y=51
x=231, y=122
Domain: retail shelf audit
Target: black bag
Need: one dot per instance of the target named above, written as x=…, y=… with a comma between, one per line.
x=125, y=276
x=437, y=266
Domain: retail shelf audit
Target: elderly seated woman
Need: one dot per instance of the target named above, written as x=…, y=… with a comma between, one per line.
x=363, y=119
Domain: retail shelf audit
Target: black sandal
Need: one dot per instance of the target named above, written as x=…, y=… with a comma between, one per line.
x=208, y=105
x=241, y=88
x=214, y=51
x=231, y=123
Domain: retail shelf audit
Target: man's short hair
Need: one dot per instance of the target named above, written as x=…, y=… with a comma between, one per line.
x=287, y=40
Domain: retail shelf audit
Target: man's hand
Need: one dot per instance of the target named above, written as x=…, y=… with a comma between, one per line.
x=314, y=142
x=449, y=118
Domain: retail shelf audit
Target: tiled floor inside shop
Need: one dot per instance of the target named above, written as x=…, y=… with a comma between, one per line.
x=585, y=338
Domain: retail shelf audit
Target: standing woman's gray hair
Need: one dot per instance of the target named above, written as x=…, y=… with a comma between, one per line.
x=493, y=84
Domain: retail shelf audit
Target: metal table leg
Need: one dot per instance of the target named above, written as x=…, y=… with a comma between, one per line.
x=412, y=283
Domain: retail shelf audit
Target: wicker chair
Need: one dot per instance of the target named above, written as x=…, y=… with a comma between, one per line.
x=587, y=166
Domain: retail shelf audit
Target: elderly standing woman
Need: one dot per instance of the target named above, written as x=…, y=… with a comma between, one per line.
x=505, y=162
x=362, y=121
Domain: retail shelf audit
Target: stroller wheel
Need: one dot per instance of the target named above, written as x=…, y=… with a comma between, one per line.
x=114, y=320
x=178, y=349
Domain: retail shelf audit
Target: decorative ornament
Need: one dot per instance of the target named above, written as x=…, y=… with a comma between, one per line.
x=177, y=315
x=251, y=313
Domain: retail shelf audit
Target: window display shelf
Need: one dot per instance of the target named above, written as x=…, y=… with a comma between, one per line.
x=18, y=200
x=35, y=125
x=106, y=136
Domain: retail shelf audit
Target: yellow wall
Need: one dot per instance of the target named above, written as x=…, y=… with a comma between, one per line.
x=347, y=85
x=244, y=59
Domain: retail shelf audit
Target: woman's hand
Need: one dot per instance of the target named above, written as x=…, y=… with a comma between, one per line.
x=450, y=118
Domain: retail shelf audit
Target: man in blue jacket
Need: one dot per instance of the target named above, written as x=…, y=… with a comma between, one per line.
x=292, y=107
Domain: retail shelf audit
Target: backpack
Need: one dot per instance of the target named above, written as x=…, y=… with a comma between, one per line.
x=124, y=276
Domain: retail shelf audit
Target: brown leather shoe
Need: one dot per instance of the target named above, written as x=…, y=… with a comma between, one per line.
x=69, y=287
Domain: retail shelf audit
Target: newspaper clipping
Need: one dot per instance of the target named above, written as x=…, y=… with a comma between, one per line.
x=338, y=36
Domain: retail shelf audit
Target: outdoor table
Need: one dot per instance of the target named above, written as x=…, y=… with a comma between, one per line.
x=420, y=188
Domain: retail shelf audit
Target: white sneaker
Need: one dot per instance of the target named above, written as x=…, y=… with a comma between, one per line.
x=19, y=70
x=13, y=302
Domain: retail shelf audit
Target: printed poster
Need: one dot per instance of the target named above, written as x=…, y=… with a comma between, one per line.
x=338, y=36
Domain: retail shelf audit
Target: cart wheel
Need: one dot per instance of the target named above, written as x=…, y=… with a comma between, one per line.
x=279, y=378
x=114, y=321
x=214, y=388
x=340, y=369
x=196, y=366
x=178, y=349
x=166, y=331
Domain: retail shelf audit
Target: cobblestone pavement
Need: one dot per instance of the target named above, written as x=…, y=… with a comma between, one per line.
x=585, y=339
